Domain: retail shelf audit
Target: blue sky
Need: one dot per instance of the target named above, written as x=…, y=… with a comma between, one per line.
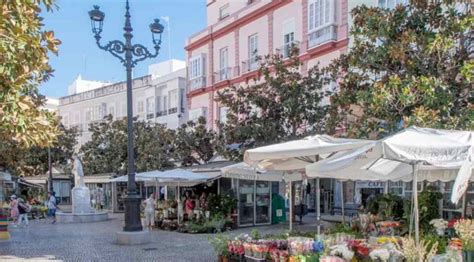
x=78, y=53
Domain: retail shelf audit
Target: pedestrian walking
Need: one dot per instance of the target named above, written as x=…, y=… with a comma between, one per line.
x=150, y=204
x=14, y=213
x=52, y=206
x=23, y=210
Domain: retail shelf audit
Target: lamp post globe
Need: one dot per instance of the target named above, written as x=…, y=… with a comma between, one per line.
x=129, y=55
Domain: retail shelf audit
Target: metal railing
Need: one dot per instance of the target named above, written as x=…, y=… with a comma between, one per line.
x=323, y=35
x=173, y=110
x=224, y=74
x=197, y=82
x=285, y=50
x=250, y=65
x=161, y=113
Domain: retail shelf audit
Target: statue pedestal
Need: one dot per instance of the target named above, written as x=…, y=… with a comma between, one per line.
x=81, y=197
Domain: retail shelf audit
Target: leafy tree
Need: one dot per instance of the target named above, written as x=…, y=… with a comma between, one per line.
x=106, y=152
x=283, y=103
x=24, y=65
x=411, y=65
x=33, y=161
x=194, y=143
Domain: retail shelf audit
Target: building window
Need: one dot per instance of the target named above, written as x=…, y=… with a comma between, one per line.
x=224, y=72
x=150, y=107
x=165, y=105
x=253, y=52
x=288, y=43
x=158, y=106
x=321, y=22
x=196, y=65
x=140, y=106
x=197, y=72
x=182, y=93
x=173, y=99
x=223, y=114
x=224, y=11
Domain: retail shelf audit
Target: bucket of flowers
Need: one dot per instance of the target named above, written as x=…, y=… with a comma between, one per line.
x=465, y=230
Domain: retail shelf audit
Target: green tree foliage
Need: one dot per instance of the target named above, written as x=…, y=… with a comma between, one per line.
x=24, y=65
x=194, y=143
x=106, y=152
x=33, y=161
x=282, y=104
x=411, y=65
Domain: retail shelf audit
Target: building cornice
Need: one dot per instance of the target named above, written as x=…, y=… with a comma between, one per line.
x=258, y=13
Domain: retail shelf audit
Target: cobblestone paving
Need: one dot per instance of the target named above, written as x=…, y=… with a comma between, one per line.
x=42, y=241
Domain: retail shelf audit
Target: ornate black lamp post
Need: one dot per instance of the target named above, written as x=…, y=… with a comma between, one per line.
x=129, y=55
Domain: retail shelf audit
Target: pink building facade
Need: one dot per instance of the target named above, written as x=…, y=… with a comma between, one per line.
x=224, y=53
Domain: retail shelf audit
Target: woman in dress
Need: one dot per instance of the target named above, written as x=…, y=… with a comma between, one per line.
x=188, y=205
x=14, y=212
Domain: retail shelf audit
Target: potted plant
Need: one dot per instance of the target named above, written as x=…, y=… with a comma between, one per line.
x=464, y=229
x=220, y=245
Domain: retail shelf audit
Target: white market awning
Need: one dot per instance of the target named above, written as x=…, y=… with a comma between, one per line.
x=442, y=155
x=245, y=171
x=297, y=154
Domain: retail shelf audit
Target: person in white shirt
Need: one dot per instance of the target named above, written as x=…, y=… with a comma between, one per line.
x=52, y=205
x=150, y=204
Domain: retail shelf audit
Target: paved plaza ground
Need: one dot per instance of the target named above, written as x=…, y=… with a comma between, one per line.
x=95, y=242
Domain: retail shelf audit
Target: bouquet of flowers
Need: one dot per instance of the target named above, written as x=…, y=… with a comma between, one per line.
x=300, y=245
x=380, y=255
x=342, y=251
x=465, y=230
x=440, y=225
x=359, y=247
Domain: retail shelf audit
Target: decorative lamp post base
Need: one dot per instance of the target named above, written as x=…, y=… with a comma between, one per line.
x=133, y=238
x=133, y=221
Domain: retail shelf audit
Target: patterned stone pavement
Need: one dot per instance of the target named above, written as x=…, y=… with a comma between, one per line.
x=42, y=241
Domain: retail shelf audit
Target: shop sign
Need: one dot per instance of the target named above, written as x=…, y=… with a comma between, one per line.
x=370, y=184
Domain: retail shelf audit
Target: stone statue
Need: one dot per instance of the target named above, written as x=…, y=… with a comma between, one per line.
x=81, y=196
x=78, y=172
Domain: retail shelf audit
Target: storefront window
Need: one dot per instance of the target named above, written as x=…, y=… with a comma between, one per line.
x=263, y=202
x=246, y=202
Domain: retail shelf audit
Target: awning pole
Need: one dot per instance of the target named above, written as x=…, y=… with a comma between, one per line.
x=342, y=203
x=291, y=207
x=415, y=204
x=179, y=202
x=318, y=206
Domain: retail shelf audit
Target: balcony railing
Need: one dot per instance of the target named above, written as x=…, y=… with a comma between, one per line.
x=150, y=116
x=323, y=35
x=285, y=50
x=224, y=74
x=250, y=65
x=173, y=110
x=197, y=82
x=161, y=113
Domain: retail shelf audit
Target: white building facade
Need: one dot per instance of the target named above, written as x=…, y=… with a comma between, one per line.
x=158, y=97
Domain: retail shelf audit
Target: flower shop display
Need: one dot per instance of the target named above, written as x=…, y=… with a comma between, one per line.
x=308, y=247
x=465, y=230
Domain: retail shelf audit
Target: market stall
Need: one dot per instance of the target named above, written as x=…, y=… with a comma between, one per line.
x=296, y=155
x=414, y=154
x=172, y=212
